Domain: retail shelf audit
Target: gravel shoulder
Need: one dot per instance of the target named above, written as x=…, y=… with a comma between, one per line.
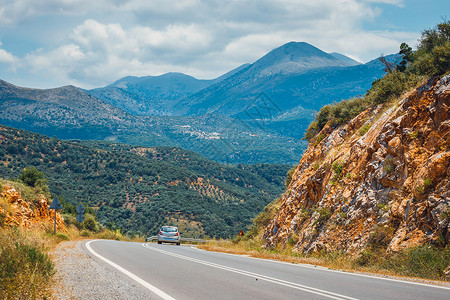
x=81, y=276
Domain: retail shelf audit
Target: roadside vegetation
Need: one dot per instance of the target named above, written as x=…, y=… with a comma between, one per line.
x=26, y=269
x=431, y=59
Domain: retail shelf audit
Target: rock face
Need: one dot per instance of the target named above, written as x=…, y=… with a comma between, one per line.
x=361, y=184
x=15, y=211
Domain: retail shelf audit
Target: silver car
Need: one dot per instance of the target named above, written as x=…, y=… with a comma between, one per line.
x=169, y=234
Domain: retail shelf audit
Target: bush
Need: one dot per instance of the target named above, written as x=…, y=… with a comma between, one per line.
x=363, y=130
x=390, y=87
x=423, y=261
x=32, y=177
x=25, y=268
x=324, y=215
x=337, y=168
x=69, y=220
x=62, y=236
x=336, y=114
x=90, y=223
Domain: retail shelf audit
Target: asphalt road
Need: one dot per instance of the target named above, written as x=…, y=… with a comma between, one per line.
x=184, y=272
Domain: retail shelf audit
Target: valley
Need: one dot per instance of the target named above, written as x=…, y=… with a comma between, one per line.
x=137, y=189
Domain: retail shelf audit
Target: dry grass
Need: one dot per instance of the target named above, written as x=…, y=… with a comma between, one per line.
x=26, y=271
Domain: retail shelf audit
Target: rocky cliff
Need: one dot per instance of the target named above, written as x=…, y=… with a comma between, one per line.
x=382, y=178
x=17, y=212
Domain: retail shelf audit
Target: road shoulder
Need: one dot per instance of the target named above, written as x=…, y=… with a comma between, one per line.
x=80, y=276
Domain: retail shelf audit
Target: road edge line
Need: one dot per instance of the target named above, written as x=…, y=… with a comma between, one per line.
x=326, y=269
x=129, y=274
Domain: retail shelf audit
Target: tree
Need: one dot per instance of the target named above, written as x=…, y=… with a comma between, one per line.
x=388, y=66
x=407, y=54
x=33, y=177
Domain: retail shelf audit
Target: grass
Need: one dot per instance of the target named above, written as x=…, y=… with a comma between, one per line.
x=25, y=269
x=363, y=130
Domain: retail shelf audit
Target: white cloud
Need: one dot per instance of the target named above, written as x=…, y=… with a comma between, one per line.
x=199, y=37
x=8, y=59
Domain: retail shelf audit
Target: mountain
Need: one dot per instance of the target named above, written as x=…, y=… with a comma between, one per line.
x=153, y=95
x=284, y=88
x=344, y=58
x=381, y=182
x=70, y=113
x=255, y=113
x=138, y=188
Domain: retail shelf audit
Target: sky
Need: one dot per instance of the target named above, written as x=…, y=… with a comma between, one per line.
x=92, y=43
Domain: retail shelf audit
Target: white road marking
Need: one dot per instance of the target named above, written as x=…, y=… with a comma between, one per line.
x=131, y=275
x=310, y=266
x=304, y=288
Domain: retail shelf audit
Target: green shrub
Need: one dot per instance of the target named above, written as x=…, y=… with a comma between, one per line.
x=390, y=87
x=32, y=177
x=427, y=183
x=413, y=135
x=62, y=236
x=336, y=114
x=446, y=213
x=90, y=223
x=365, y=258
x=292, y=240
x=389, y=165
x=337, y=168
x=363, y=130
x=324, y=215
x=382, y=207
x=2, y=219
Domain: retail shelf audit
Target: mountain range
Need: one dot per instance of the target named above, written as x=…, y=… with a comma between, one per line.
x=255, y=113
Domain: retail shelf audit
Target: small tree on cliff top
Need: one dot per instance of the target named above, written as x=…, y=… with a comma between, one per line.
x=33, y=177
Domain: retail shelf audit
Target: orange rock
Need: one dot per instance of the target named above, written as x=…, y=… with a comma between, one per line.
x=20, y=213
x=397, y=174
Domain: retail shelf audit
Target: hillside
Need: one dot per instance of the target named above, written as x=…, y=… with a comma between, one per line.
x=70, y=113
x=382, y=180
x=153, y=95
x=138, y=189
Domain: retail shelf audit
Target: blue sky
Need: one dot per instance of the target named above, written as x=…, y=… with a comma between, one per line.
x=50, y=43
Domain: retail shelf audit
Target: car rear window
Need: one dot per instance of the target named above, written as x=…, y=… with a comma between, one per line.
x=169, y=229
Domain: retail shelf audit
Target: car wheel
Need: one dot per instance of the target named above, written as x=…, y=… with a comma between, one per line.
x=159, y=242
x=178, y=244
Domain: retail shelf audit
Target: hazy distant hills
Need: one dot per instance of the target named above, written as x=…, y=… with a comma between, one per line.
x=231, y=93
x=255, y=113
x=284, y=88
x=153, y=95
x=70, y=113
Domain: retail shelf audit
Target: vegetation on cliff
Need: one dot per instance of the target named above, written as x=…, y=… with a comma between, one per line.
x=432, y=58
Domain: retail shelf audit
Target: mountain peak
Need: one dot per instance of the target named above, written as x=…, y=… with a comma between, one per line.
x=295, y=57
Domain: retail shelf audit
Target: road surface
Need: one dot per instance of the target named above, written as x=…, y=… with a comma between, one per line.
x=184, y=272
